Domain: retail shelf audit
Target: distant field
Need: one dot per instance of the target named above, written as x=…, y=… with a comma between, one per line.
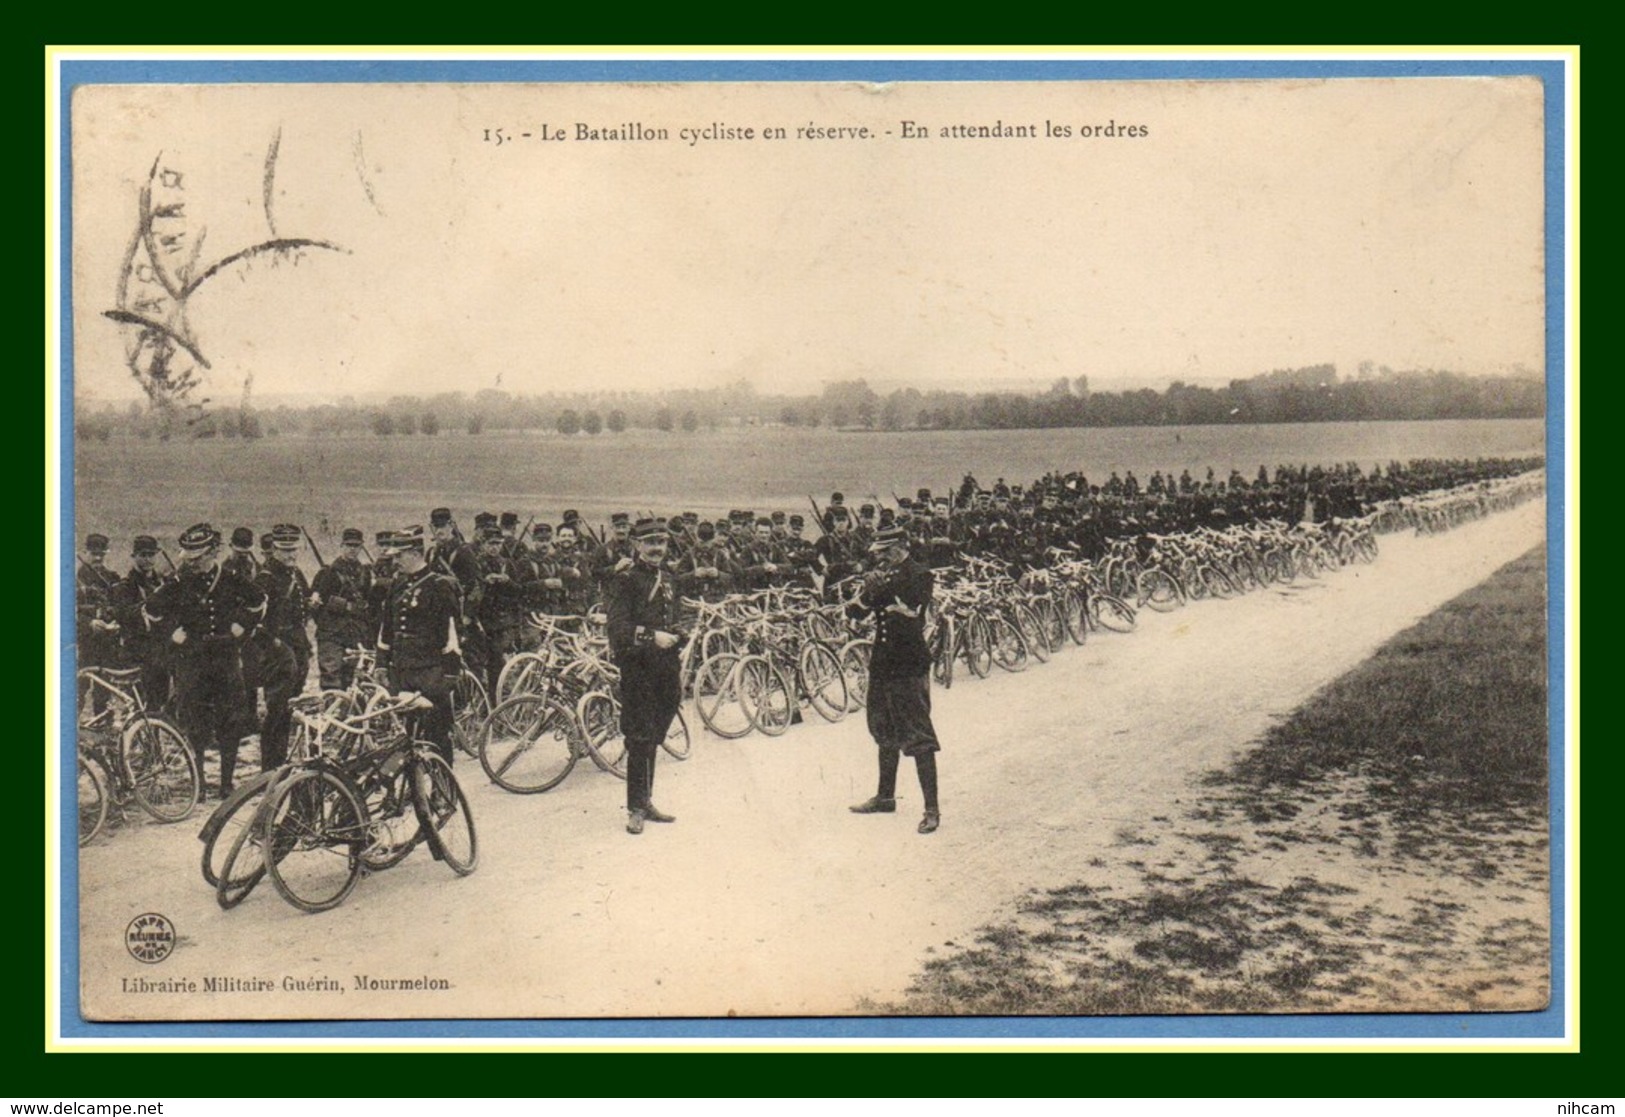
x=123, y=488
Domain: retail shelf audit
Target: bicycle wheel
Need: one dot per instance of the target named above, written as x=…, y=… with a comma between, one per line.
x=92, y=800
x=1049, y=617
x=977, y=640
x=942, y=645
x=162, y=771
x=524, y=673
x=234, y=815
x=1218, y=582
x=1158, y=590
x=530, y=744
x=677, y=741
x=392, y=831
x=444, y=814
x=855, y=667
x=819, y=671
x=243, y=866
x=1074, y=618
x=313, y=830
x=1365, y=549
x=600, y=721
x=1111, y=613
x=716, y=697
x=1009, y=645
x=469, y=709
x=1032, y=631
x=766, y=695
x=821, y=627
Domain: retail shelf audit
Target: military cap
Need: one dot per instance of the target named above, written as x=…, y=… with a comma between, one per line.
x=615, y=518
x=510, y=519
x=408, y=538
x=267, y=541
x=691, y=518
x=352, y=537
x=285, y=537
x=242, y=539
x=571, y=515
x=887, y=516
x=763, y=521
x=866, y=510
x=797, y=520
x=648, y=527
x=144, y=545
x=923, y=494
x=440, y=517
x=778, y=516
x=96, y=543
x=484, y=519
x=738, y=516
x=889, y=537
x=199, y=538
x=490, y=533
x=384, y=538
x=837, y=499
x=904, y=502
x=541, y=531
x=706, y=529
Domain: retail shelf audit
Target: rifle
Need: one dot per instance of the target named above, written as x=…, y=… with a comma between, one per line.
x=172, y=568
x=313, y=548
x=817, y=515
x=524, y=532
x=895, y=499
x=372, y=561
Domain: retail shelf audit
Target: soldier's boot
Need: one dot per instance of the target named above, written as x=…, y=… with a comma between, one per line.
x=228, y=765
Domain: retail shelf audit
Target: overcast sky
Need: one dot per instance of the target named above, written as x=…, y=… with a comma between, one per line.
x=1256, y=225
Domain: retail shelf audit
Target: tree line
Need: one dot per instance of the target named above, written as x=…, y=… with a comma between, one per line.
x=1310, y=394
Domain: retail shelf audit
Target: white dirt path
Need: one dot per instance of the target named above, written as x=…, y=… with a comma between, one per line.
x=767, y=897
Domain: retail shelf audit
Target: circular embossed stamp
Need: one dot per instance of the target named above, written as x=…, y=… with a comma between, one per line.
x=150, y=938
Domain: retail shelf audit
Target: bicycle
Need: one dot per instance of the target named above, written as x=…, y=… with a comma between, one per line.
x=324, y=821
x=127, y=754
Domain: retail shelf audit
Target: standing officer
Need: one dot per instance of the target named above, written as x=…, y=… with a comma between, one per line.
x=645, y=639
x=417, y=640
x=129, y=603
x=205, y=614
x=502, y=603
x=339, y=598
x=898, y=709
x=98, y=628
x=287, y=593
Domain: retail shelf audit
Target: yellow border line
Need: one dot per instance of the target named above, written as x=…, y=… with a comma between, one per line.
x=56, y=1043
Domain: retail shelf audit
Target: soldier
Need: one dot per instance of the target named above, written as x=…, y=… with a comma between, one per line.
x=501, y=616
x=645, y=639
x=897, y=595
x=205, y=614
x=761, y=560
x=513, y=546
x=276, y=659
x=450, y=557
x=339, y=601
x=383, y=574
x=418, y=641
x=837, y=557
x=242, y=561
x=616, y=553
x=98, y=627
x=800, y=555
x=706, y=570
x=129, y=602
x=288, y=598
x=570, y=567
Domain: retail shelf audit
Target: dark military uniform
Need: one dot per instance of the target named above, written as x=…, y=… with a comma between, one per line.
x=641, y=601
x=343, y=591
x=195, y=615
x=898, y=707
x=418, y=643
x=140, y=649
x=94, y=607
x=501, y=614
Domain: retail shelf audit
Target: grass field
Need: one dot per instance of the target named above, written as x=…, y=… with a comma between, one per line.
x=1384, y=848
x=125, y=487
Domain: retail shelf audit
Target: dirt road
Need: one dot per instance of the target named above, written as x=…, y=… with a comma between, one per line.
x=767, y=897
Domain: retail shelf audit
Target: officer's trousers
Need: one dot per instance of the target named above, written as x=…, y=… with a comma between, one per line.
x=651, y=691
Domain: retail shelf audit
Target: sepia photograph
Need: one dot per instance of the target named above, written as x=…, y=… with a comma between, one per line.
x=873, y=552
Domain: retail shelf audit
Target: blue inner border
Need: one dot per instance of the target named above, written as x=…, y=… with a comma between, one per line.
x=1530, y=1025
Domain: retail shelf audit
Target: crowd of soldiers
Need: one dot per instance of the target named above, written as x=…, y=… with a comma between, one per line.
x=217, y=634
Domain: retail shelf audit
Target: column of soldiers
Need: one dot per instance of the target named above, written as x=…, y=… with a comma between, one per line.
x=216, y=635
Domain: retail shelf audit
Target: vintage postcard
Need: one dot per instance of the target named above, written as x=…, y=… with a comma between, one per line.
x=1072, y=550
